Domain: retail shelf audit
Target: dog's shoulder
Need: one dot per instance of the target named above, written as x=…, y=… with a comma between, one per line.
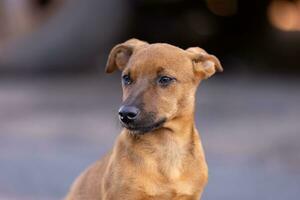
x=89, y=183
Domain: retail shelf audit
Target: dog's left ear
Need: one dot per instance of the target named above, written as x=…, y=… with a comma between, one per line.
x=121, y=53
x=205, y=65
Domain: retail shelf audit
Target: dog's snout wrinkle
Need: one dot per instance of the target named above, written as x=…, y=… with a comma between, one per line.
x=135, y=97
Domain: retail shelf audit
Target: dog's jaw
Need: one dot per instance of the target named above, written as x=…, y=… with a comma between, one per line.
x=141, y=130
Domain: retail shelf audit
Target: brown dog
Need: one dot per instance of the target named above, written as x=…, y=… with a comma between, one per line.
x=158, y=155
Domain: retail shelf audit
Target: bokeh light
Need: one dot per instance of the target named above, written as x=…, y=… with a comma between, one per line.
x=285, y=15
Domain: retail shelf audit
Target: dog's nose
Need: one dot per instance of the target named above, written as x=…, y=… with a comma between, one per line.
x=128, y=114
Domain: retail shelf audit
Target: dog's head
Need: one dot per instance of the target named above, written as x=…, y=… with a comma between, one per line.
x=159, y=81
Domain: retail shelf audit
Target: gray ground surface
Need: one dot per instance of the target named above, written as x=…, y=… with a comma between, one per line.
x=51, y=129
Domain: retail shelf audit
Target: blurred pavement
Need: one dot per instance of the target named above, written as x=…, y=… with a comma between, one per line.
x=52, y=128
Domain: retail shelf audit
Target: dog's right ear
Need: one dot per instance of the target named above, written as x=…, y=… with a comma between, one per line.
x=121, y=53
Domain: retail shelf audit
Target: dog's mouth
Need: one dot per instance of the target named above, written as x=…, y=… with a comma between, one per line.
x=142, y=129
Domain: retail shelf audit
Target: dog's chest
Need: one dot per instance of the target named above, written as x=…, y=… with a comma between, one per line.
x=162, y=170
x=170, y=174
x=169, y=190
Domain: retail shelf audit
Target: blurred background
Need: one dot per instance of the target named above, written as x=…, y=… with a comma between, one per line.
x=58, y=110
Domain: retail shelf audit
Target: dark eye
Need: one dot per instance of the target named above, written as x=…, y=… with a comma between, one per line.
x=126, y=80
x=165, y=80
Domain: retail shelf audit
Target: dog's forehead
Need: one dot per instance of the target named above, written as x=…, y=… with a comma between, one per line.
x=159, y=56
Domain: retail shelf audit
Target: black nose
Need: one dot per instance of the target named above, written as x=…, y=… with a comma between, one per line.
x=128, y=114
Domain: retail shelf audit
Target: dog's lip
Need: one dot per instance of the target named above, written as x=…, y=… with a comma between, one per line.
x=145, y=129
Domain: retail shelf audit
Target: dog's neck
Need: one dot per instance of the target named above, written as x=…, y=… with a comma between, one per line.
x=166, y=148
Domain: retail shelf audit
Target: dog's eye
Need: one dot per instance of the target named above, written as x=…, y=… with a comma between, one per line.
x=165, y=80
x=126, y=80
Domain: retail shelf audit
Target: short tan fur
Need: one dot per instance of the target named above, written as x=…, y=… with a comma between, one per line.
x=159, y=156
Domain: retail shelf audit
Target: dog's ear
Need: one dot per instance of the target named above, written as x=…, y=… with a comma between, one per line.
x=120, y=54
x=205, y=65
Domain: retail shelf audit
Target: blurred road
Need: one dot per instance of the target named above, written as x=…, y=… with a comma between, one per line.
x=52, y=128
